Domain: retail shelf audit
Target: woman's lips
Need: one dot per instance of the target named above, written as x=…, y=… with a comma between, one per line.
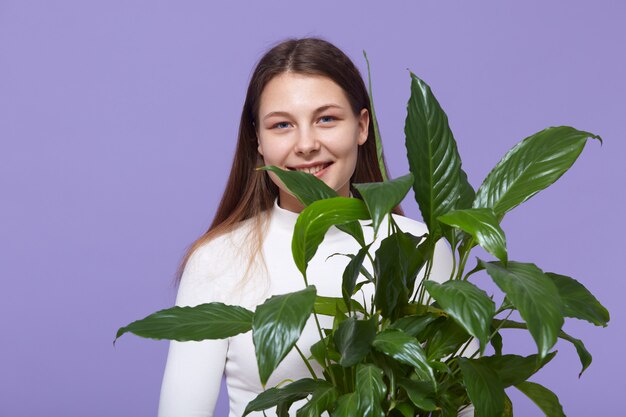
x=317, y=169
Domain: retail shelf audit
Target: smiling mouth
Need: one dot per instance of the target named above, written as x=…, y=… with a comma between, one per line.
x=315, y=169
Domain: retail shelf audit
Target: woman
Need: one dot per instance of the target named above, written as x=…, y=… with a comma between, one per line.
x=306, y=109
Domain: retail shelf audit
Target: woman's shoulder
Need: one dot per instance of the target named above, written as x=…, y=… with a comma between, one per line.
x=223, y=247
x=213, y=268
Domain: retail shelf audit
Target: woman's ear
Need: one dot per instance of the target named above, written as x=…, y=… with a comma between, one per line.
x=364, y=124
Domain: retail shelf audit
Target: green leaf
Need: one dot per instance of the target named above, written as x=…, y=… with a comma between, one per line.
x=405, y=409
x=508, y=407
x=321, y=400
x=307, y=188
x=353, y=338
x=578, y=302
x=444, y=337
x=483, y=226
x=467, y=194
x=284, y=397
x=581, y=350
x=346, y=405
x=439, y=183
x=370, y=390
x=583, y=354
x=513, y=369
x=396, y=264
x=420, y=393
x=496, y=342
x=415, y=324
x=381, y=197
x=354, y=229
x=205, y=321
x=483, y=388
x=351, y=274
x=379, y=145
x=277, y=326
x=315, y=220
x=529, y=167
x=535, y=296
x=329, y=306
x=406, y=349
x=547, y=401
x=470, y=306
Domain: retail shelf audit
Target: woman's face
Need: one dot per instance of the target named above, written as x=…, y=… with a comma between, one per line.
x=306, y=123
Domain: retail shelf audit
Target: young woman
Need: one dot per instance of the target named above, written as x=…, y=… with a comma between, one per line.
x=306, y=109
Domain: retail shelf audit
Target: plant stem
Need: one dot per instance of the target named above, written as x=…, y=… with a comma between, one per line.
x=500, y=324
x=306, y=362
x=465, y=249
x=422, y=289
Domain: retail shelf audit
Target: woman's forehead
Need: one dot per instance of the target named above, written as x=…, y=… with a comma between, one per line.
x=295, y=91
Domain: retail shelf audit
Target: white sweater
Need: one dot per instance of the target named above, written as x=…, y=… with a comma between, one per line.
x=214, y=272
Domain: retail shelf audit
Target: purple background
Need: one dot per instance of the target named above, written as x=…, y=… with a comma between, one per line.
x=117, y=127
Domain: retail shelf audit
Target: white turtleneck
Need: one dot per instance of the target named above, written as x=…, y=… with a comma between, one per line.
x=214, y=272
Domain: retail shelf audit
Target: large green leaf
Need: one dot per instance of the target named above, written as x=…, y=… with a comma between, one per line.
x=531, y=166
x=379, y=145
x=578, y=302
x=370, y=390
x=205, y=321
x=321, y=400
x=284, y=397
x=483, y=226
x=470, y=306
x=397, y=262
x=406, y=349
x=439, y=183
x=353, y=338
x=535, y=296
x=277, y=326
x=513, y=369
x=346, y=405
x=483, y=387
x=381, y=197
x=315, y=220
x=547, y=401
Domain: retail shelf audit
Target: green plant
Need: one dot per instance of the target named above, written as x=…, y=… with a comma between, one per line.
x=406, y=353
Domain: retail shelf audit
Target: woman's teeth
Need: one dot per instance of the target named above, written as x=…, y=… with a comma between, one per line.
x=312, y=170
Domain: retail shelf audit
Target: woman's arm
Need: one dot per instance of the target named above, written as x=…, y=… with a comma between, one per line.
x=193, y=372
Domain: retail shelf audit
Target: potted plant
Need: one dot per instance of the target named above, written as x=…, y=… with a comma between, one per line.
x=406, y=352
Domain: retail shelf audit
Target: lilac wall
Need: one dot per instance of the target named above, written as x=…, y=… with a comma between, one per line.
x=117, y=122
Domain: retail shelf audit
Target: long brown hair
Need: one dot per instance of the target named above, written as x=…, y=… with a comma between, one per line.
x=249, y=193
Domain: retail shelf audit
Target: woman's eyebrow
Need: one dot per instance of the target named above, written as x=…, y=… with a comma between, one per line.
x=277, y=113
x=328, y=106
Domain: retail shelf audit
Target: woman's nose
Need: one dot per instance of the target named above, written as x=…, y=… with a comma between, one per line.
x=307, y=141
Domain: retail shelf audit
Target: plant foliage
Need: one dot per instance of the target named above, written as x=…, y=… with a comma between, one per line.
x=410, y=350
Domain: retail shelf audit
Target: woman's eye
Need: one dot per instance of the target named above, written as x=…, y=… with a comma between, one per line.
x=327, y=119
x=281, y=125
